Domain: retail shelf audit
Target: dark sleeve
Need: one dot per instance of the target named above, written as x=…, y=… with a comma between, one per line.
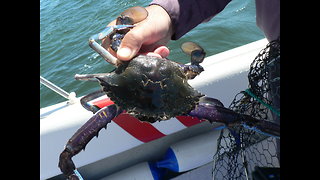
x=268, y=18
x=187, y=14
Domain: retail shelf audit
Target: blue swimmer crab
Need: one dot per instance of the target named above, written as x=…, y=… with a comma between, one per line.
x=147, y=87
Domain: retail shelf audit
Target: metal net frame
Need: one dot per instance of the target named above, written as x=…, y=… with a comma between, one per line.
x=241, y=150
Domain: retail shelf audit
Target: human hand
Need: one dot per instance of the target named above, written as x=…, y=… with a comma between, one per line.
x=148, y=36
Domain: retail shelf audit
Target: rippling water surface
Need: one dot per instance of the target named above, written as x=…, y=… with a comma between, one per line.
x=66, y=25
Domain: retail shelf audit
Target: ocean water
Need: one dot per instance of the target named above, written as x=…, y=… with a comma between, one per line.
x=66, y=25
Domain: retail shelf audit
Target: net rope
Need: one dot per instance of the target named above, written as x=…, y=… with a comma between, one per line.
x=240, y=150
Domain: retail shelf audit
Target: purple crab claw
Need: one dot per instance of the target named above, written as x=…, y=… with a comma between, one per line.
x=213, y=110
x=81, y=138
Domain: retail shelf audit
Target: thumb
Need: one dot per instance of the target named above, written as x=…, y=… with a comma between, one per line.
x=130, y=44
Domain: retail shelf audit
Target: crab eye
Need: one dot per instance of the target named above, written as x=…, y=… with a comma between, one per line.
x=132, y=15
x=197, y=56
x=195, y=51
x=189, y=47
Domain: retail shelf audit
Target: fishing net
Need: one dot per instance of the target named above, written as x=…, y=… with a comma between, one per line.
x=241, y=151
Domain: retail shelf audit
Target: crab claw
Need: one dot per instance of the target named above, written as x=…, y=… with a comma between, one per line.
x=67, y=166
x=109, y=30
x=83, y=136
x=213, y=110
x=103, y=34
x=124, y=22
x=65, y=163
x=132, y=15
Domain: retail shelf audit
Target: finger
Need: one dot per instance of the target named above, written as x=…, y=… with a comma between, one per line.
x=153, y=54
x=131, y=44
x=163, y=51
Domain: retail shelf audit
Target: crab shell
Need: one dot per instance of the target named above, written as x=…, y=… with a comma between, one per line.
x=150, y=88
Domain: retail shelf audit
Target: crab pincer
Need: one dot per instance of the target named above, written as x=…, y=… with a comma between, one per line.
x=114, y=34
x=83, y=135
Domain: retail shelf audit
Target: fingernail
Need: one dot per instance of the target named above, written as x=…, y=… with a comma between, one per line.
x=124, y=52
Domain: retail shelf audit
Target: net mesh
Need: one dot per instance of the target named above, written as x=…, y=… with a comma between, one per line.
x=240, y=150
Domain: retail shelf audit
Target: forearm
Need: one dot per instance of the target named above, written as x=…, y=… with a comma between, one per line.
x=187, y=14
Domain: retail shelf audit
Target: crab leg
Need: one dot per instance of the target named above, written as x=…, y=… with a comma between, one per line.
x=89, y=77
x=82, y=137
x=213, y=111
x=197, y=55
x=191, y=71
